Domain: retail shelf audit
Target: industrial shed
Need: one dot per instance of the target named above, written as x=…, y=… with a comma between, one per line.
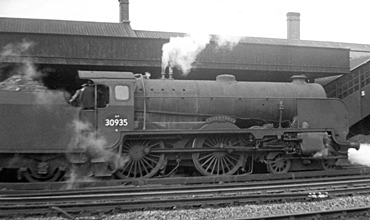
x=63, y=47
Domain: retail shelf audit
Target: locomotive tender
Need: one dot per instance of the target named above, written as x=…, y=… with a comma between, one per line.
x=133, y=127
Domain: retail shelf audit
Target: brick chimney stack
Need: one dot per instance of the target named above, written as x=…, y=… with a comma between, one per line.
x=294, y=26
x=123, y=11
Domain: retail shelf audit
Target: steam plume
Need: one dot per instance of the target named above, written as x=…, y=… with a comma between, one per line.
x=181, y=52
x=94, y=144
x=321, y=154
x=227, y=41
x=360, y=157
x=17, y=53
x=48, y=97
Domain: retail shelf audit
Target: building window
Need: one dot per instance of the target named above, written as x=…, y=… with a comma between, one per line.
x=122, y=93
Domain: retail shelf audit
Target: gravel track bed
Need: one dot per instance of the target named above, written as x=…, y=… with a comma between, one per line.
x=250, y=210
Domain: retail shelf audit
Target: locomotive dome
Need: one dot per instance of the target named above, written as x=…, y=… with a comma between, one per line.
x=227, y=78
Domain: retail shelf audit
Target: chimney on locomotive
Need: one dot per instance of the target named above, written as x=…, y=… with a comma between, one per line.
x=170, y=72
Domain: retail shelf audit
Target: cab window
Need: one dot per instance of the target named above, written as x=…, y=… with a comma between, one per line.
x=103, y=96
x=122, y=92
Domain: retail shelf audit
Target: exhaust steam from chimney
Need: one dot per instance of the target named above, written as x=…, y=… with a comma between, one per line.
x=293, y=22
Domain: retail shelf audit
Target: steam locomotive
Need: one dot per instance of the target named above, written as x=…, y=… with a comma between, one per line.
x=129, y=126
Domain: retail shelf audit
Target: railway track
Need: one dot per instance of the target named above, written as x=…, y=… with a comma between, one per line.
x=260, y=178
x=137, y=198
x=337, y=214
x=265, y=185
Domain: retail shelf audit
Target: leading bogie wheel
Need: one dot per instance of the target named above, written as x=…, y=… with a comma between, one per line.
x=328, y=164
x=278, y=163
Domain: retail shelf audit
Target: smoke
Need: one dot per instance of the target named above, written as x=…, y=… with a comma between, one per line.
x=227, y=41
x=17, y=53
x=76, y=180
x=87, y=139
x=327, y=149
x=94, y=144
x=47, y=97
x=360, y=157
x=181, y=52
x=321, y=154
x=16, y=49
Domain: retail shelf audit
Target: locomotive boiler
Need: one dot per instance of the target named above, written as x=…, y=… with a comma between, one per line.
x=145, y=127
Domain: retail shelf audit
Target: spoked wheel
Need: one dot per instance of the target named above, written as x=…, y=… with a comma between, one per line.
x=278, y=163
x=217, y=163
x=33, y=176
x=328, y=164
x=142, y=163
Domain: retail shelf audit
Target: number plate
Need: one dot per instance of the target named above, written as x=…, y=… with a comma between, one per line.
x=115, y=121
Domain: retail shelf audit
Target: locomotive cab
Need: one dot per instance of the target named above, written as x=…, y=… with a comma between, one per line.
x=113, y=103
x=90, y=96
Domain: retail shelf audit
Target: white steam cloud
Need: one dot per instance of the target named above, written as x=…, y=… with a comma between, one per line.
x=88, y=139
x=17, y=53
x=227, y=41
x=322, y=153
x=47, y=97
x=94, y=144
x=360, y=157
x=181, y=52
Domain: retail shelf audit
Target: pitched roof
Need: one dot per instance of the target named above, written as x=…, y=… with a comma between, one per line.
x=42, y=26
x=63, y=27
x=359, y=61
x=45, y=26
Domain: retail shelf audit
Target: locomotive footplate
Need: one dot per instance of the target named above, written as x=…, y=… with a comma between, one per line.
x=200, y=150
x=258, y=134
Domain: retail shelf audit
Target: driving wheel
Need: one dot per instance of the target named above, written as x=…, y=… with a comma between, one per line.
x=142, y=163
x=218, y=162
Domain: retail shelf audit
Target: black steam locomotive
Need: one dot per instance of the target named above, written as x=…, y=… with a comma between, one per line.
x=130, y=126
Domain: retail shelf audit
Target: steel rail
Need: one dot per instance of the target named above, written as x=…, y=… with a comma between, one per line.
x=17, y=187
x=65, y=196
x=161, y=188
x=30, y=205
x=189, y=201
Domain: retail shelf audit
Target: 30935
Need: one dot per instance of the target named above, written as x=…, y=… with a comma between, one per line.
x=118, y=122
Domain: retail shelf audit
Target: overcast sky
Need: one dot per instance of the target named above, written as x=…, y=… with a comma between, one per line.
x=322, y=20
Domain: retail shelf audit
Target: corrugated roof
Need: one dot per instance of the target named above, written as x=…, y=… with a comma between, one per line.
x=359, y=61
x=260, y=40
x=41, y=26
x=26, y=25
x=158, y=34
x=302, y=43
